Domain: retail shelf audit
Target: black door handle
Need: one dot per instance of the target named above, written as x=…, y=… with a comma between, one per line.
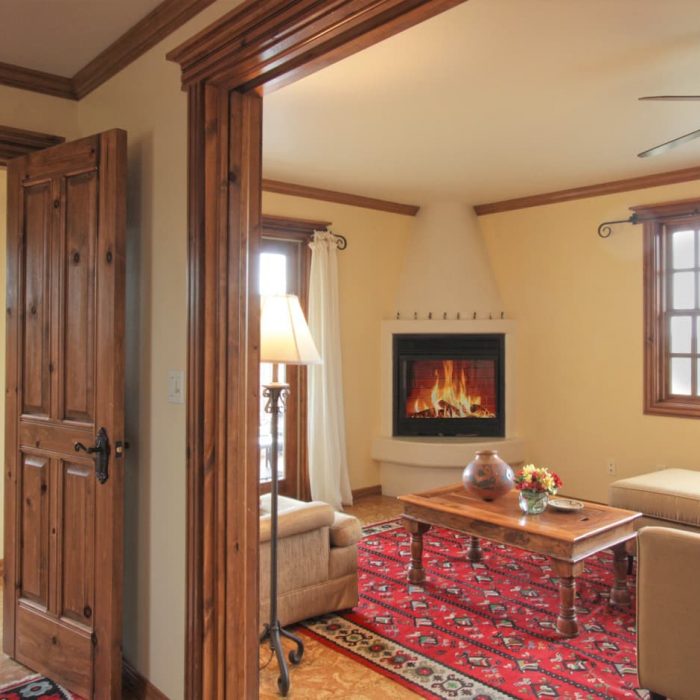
x=101, y=449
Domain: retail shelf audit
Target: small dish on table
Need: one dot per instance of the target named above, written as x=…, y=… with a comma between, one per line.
x=568, y=505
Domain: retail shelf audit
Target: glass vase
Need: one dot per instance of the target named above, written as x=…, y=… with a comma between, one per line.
x=533, y=502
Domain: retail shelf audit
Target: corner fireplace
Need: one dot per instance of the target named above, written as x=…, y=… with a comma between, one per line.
x=449, y=385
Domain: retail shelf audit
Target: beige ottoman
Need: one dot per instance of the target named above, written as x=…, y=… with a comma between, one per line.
x=667, y=498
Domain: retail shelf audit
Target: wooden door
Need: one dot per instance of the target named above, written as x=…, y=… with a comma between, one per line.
x=65, y=385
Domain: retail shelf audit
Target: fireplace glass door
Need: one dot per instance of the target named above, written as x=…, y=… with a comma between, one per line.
x=449, y=385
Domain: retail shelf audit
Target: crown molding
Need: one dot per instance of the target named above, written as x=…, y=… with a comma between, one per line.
x=670, y=177
x=270, y=43
x=145, y=34
x=353, y=200
x=162, y=21
x=19, y=142
x=37, y=81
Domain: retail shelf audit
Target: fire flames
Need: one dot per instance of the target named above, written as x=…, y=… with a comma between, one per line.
x=449, y=396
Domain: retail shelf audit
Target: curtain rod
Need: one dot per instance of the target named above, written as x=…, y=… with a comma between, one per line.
x=605, y=229
x=340, y=241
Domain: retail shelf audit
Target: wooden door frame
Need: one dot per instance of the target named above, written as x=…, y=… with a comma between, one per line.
x=226, y=68
x=19, y=142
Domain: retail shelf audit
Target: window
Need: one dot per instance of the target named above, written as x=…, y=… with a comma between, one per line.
x=285, y=260
x=672, y=308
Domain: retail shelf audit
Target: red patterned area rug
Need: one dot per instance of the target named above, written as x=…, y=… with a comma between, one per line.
x=35, y=688
x=485, y=631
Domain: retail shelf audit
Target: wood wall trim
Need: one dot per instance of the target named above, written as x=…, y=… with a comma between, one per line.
x=287, y=225
x=670, y=177
x=367, y=491
x=353, y=200
x=137, y=687
x=19, y=142
x=270, y=43
x=162, y=21
x=37, y=81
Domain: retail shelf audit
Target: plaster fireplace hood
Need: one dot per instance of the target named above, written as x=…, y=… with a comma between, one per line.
x=446, y=287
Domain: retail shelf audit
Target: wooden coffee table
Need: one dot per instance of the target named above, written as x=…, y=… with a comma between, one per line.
x=566, y=537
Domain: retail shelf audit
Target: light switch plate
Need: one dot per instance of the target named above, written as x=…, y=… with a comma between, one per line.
x=176, y=386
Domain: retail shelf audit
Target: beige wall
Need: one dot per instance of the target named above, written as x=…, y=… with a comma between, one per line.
x=368, y=273
x=30, y=110
x=578, y=302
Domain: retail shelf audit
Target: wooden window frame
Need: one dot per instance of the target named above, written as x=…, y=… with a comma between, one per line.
x=660, y=220
x=298, y=232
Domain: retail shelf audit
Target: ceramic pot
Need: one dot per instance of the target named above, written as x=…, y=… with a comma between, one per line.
x=487, y=476
x=532, y=502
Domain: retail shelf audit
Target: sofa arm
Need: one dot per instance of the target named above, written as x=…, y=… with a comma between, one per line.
x=668, y=611
x=345, y=530
x=294, y=517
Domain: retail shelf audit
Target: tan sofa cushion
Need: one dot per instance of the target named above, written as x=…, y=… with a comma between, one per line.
x=294, y=516
x=668, y=612
x=669, y=494
x=345, y=530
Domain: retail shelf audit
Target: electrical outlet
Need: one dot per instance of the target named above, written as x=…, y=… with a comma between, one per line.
x=612, y=467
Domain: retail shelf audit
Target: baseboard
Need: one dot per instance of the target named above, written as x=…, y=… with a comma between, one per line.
x=367, y=491
x=137, y=687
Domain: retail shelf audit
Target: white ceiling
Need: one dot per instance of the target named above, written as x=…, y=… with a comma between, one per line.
x=62, y=36
x=496, y=99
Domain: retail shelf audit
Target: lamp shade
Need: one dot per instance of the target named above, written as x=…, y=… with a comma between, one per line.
x=284, y=334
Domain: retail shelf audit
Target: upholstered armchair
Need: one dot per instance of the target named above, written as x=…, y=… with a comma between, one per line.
x=316, y=560
x=668, y=613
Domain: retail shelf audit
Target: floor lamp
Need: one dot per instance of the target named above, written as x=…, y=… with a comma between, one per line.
x=284, y=339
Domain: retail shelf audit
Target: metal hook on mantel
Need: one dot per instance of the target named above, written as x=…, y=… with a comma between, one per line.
x=605, y=229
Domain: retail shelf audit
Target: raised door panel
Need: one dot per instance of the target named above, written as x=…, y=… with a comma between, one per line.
x=35, y=304
x=78, y=294
x=46, y=645
x=34, y=524
x=77, y=523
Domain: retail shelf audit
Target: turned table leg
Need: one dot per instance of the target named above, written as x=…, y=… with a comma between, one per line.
x=620, y=594
x=474, y=551
x=567, y=623
x=416, y=572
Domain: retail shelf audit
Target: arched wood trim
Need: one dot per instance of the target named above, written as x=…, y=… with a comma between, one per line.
x=19, y=142
x=258, y=46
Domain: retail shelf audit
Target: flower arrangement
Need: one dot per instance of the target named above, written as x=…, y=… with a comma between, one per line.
x=539, y=479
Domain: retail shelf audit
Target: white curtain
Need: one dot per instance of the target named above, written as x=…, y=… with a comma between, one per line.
x=328, y=462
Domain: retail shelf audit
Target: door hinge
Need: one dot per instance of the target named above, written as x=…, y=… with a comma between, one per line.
x=93, y=639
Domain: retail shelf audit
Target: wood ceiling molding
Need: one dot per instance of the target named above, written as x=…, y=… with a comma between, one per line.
x=670, y=177
x=19, y=142
x=145, y=34
x=354, y=200
x=153, y=28
x=270, y=43
x=37, y=81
